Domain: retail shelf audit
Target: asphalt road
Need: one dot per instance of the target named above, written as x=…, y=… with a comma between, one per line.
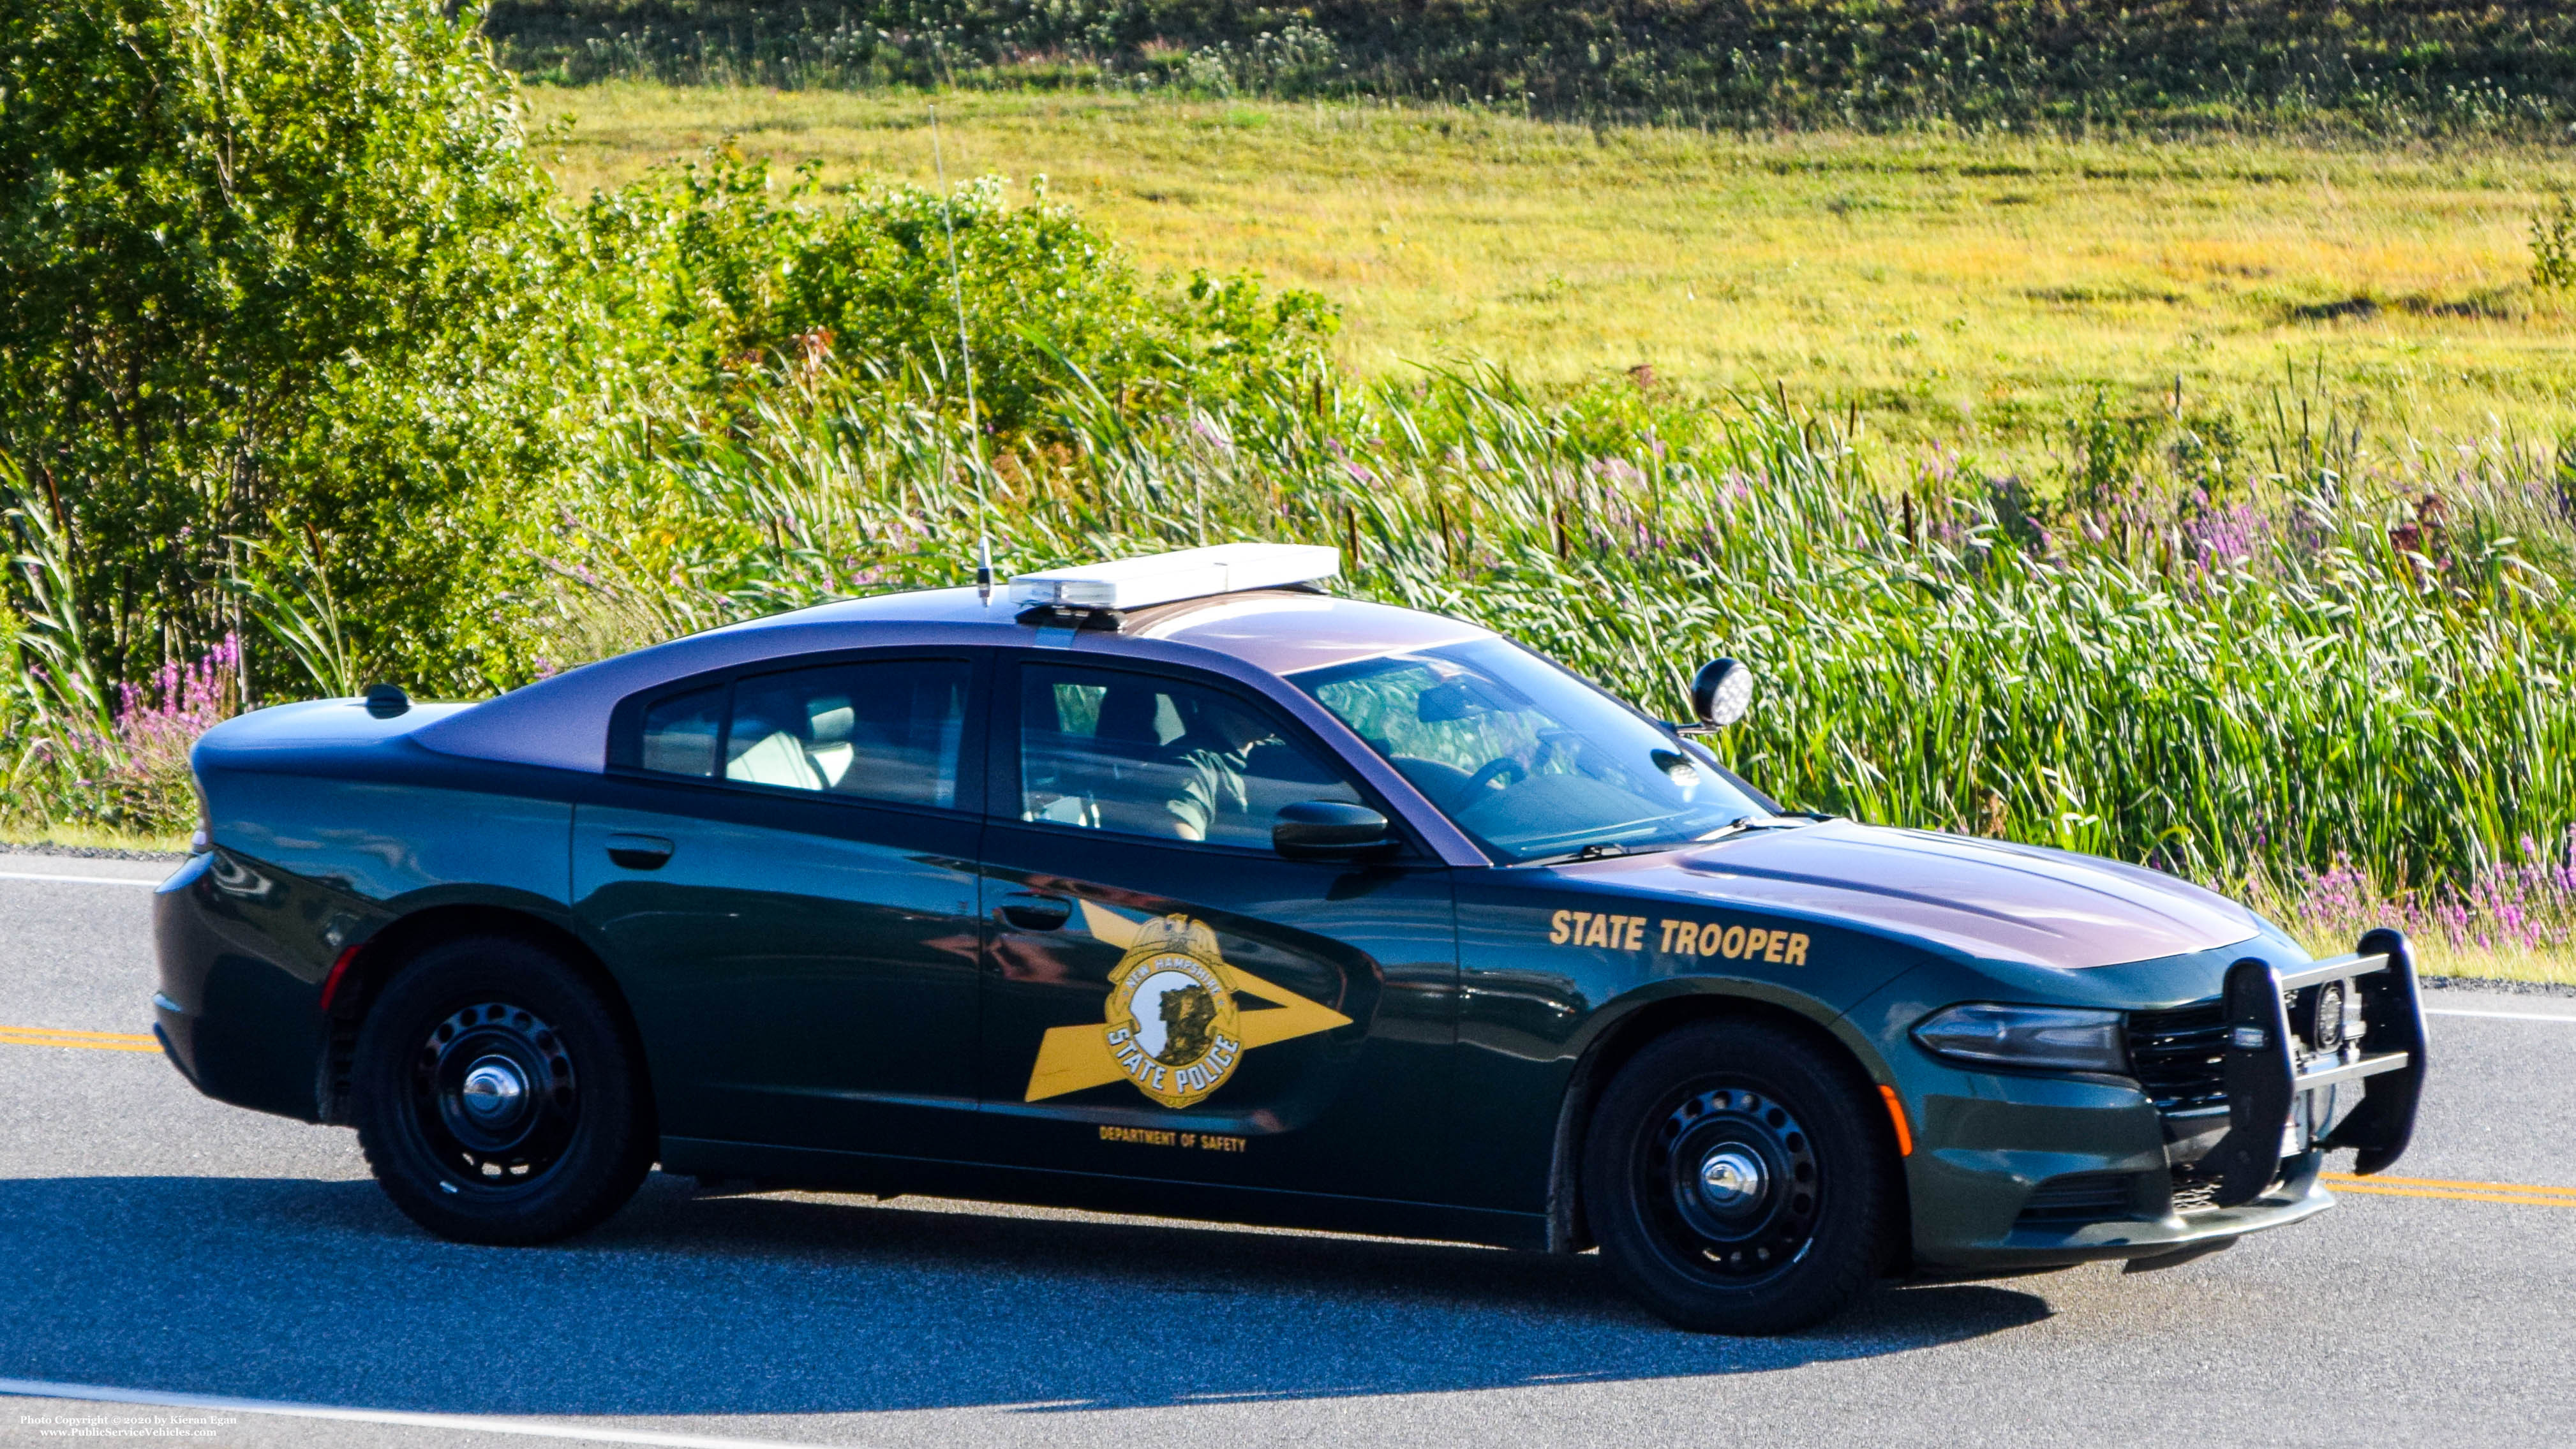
x=153, y=1241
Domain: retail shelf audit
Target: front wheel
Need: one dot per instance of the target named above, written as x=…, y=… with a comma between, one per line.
x=1736, y=1183
x=496, y=1099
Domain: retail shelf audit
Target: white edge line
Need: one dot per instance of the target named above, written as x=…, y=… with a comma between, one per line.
x=2498, y=1015
x=78, y=879
x=478, y=1423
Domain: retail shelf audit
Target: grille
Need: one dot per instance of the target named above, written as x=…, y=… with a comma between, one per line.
x=2193, y=1193
x=2178, y=1056
x=2081, y=1197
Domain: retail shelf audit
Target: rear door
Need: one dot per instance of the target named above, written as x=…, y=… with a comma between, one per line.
x=1165, y=995
x=780, y=868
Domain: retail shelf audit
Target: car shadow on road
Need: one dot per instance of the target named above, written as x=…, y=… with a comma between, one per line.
x=687, y=1304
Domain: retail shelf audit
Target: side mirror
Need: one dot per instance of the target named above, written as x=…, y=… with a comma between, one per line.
x=1721, y=692
x=1322, y=829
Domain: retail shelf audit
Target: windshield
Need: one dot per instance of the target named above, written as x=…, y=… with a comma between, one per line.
x=1525, y=757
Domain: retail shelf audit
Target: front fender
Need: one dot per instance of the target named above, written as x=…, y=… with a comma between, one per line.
x=1561, y=975
x=1629, y=1023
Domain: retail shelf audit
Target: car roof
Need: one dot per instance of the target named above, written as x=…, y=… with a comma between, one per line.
x=562, y=722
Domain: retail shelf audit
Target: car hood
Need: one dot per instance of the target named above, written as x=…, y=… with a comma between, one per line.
x=1982, y=898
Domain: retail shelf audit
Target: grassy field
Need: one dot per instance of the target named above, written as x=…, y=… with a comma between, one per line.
x=1967, y=290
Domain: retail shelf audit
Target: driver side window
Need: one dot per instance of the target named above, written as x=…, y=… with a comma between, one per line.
x=1140, y=754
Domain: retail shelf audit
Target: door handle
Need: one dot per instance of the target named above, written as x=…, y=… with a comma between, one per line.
x=639, y=852
x=1033, y=912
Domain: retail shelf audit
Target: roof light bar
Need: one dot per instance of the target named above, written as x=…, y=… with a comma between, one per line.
x=1191, y=573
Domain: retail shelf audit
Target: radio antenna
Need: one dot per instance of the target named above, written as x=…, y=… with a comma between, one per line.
x=966, y=361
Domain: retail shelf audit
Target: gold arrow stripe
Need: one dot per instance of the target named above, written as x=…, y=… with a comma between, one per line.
x=1071, y=1059
x=1295, y=1015
x=1109, y=927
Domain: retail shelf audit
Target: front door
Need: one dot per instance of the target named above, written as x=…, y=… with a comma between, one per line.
x=1168, y=997
x=782, y=874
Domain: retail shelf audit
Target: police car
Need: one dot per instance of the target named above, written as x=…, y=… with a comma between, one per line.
x=1179, y=886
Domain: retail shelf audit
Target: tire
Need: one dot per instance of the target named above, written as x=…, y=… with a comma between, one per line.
x=1794, y=1217
x=496, y=1099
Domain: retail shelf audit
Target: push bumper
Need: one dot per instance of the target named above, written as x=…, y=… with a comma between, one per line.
x=2278, y=1073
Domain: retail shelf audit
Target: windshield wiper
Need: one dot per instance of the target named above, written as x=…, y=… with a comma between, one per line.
x=1786, y=820
x=1604, y=850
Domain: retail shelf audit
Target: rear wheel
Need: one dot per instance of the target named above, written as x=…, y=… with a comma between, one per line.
x=1735, y=1182
x=496, y=1100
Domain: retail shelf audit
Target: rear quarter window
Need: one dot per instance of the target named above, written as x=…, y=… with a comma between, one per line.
x=680, y=733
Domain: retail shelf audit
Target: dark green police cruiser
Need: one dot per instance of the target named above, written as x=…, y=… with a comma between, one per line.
x=1176, y=886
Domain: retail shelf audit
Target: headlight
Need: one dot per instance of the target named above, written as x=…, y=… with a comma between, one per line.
x=1983, y=1034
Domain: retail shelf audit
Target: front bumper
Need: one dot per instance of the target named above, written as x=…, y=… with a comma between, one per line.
x=2031, y=1171
x=2043, y=1244
x=2042, y=1172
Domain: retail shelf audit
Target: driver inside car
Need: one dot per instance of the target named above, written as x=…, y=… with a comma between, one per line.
x=1210, y=762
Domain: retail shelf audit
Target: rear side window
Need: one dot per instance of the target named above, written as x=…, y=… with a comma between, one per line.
x=886, y=731
x=680, y=733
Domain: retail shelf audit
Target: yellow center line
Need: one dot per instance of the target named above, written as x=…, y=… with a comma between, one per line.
x=2435, y=1187
x=63, y=1036
x=76, y=1031
x=2383, y=1180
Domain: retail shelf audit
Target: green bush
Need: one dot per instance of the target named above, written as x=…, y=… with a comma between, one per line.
x=711, y=274
x=268, y=269
x=2553, y=247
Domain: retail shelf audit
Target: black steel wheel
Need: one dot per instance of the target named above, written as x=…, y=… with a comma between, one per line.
x=1735, y=1181
x=493, y=1095
x=496, y=1097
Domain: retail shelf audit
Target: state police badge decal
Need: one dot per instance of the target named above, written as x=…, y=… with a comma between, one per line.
x=1174, y=1027
x=1172, y=1024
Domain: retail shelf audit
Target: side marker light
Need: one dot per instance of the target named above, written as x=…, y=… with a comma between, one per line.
x=1896, y=1114
x=339, y=972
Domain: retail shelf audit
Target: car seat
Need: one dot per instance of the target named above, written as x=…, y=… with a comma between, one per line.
x=1127, y=771
x=777, y=757
x=829, y=743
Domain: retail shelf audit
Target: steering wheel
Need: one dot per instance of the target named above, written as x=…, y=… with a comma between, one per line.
x=1494, y=771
